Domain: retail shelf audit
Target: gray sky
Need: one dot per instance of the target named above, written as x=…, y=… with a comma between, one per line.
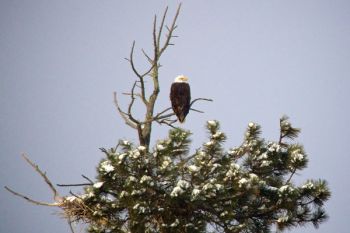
x=60, y=61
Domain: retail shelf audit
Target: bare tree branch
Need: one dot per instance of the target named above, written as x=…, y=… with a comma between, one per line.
x=155, y=45
x=87, y=178
x=131, y=104
x=170, y=31
x=161, y=26
x=195, y=100
x=144, y=127
x=195, y=110
x=164, y=116
x=148, y=57
x=131, y=60
x=56, y=196
x=74, y=185
x=164, y=111
x=291, y=175
x=143, y=94
x=123, y=114
x=167, y=122
x=70, y=224
x=31, y=200
x=160, y=117
x=43, y=175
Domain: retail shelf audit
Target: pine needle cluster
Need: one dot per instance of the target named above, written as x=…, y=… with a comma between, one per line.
x=248, y=188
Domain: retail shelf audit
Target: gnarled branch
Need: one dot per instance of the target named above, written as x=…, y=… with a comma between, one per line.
x=56, y=196
x=163, y=118
x=30, y=199
x=123, y=114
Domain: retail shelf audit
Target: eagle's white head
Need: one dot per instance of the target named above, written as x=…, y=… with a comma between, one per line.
x=181, y=79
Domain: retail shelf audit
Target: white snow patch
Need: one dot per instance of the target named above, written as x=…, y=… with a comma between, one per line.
x=165, y=164
x=195, y=192
x=123, y=194
x=131, y=179
x=265, y=163
x=145, y=179
x=308, y=185
x=253, y=176
x=210, y=143
x=160, y=147
x=212, y=123
x=98, y=185
x=285, y=188
x=223, y=214
x=135, y=154
x=136, y=206
x=251, y=124
x=218, y=134
x=297, y=156
x=71, y=198
x=126, y=143
x=121, y=156
x=174, y=224
x=218, y=186
x=207, y=186
x=272, y=146
x=176, y=192
x=235, y=166
x=183, y=184
x=193, y=168
x=230, y=173
x=282, y=219
x=106, y=167
x=242, y=182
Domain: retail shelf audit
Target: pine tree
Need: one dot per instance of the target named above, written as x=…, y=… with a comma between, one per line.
x=166, y=188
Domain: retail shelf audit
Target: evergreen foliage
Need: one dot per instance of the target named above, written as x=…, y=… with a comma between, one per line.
x=245, y=189
x=168, y=188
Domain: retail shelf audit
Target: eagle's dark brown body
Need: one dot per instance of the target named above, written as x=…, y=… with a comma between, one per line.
x=180, y=96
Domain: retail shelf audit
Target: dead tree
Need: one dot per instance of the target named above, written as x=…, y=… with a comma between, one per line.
x=138, y=90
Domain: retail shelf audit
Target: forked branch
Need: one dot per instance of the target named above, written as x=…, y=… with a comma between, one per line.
x=144, y=126
x=165, y=118
x=30, y=199
x=56, y=196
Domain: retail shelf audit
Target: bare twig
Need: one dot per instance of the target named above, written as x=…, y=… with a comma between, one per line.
x=43, y=175
x=131, y=60
x=131, y=117
x=164, y=111
x=73, y=194
x=146, y=55
x=70, y=224
x=87, y=178
x=155, y=45
x=167, y=122
x=123, y=114
x=163, y=118
x=31, y=200
x=291, y=175
x=56, y=196
x=195, y=100
x=140, y=76
x=74, y=185
x=161, y=26
x=195, y=110
x=170, y=31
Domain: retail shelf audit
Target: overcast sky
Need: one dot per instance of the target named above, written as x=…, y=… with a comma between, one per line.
x=60, y=62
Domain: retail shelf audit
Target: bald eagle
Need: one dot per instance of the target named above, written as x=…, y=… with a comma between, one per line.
x=180, y=96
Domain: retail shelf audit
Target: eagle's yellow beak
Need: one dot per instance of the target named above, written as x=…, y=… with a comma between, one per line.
x=184, y=78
